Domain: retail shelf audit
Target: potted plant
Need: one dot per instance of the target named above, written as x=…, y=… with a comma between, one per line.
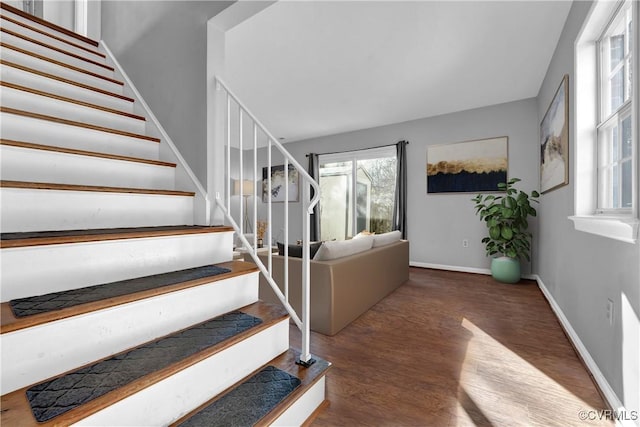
x=261, y=228
x=506, y=217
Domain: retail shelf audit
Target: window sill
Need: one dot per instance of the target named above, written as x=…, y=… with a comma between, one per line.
x=618, y=228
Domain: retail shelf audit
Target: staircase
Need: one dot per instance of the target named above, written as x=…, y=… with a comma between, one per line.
x=118, y=306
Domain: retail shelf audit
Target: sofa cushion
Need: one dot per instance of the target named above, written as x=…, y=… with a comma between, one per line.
x=296, y=250
x=341, y=248
x=386, y=238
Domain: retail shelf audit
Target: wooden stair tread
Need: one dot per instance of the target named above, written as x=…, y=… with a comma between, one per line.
x=285, y=362
x=93, y=188
x=60, y=39
x=96, y=298
x=56, y=49
x=16, y=409
x=48, y=24
x=63, y=80
x=70, y=100
x=23, y=239
x=30, y=145
x=75, y=123
x=60, y=63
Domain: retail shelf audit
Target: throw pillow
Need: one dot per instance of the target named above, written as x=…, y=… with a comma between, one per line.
x=295, y=251
x=363, y=233
x=342, y=248
x=386, y=238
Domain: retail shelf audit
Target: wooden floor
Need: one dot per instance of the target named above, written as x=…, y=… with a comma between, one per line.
x=455, y=349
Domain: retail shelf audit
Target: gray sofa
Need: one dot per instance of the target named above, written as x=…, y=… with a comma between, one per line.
x=342, y=289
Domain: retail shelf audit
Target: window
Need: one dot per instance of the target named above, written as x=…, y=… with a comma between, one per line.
x=605, y=133
x=615, y=135
x=357, y=192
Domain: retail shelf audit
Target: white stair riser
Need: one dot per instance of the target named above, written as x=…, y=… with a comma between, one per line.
x=42, y=210
x=301, y=409
x=38, y=270
x=57, y=55
x=24, y=78
x=51, y=41
x=27, y=101
x=27, y=129
x=59, y=70
x=24, y=164
x=79, y=340
x=47, y=29
x=168, y=400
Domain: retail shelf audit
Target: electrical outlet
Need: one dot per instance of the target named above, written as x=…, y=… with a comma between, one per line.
x=465, y=243
x=610, y=311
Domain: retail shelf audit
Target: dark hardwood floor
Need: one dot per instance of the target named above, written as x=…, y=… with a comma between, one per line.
x=455, y=349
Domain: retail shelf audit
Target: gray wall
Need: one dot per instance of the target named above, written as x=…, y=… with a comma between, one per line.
x=162, y=46
x=582, y=270
x=437, y=224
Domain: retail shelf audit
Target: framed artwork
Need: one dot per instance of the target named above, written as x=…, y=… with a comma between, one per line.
x=278, y=182
x=468, y=166
x=554, y=141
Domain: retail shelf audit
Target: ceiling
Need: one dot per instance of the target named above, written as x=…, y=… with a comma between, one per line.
x=316, y=68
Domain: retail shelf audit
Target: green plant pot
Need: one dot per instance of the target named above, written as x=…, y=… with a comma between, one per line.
x=505, y=269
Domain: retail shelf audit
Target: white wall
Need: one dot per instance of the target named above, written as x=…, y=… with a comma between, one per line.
x=437, y=223
x=162, y=46
x=583, y=270
x=60, y=12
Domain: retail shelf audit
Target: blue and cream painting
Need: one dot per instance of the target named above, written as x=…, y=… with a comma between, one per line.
x=469, y=166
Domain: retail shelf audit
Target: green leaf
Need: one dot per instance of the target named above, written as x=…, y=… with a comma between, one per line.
x=506, y=233
x=494, y=232
x=534, y=193
x=511, y=253
x=507, y=213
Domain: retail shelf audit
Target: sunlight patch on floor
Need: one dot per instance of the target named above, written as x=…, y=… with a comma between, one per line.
x=496, y=389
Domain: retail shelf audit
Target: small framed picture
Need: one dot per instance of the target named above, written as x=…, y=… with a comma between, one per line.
x=278, y=183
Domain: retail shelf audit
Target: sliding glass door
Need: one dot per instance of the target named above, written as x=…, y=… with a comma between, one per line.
x=357, y=192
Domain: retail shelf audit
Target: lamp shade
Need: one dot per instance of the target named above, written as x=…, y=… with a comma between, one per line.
x=245, y=185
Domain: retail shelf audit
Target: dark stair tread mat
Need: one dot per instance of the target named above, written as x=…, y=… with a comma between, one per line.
x=246, y=404
x=29, y=306
x=52, y=398
x=98, y=231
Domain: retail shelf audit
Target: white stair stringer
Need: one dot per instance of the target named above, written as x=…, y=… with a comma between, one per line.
x=36, y=81
x=21, y=209
x=41, y=352
x=28, y=129
x=26, y=100
x=46, y=29
x=13, y=55
x=42, y=269
x=48, y=38
x=168, y=400
x=48, y=165
x=57, y=55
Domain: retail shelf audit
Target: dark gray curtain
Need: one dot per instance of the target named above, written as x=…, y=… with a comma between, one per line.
x=400, y=203
x=314, y=171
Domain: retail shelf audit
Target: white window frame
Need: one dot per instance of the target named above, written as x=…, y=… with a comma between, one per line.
x=609, y=118
x=619, y=224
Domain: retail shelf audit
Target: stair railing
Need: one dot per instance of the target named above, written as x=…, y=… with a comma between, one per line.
x=234, y=137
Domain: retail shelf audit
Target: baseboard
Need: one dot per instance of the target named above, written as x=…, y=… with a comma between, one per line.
x=462, y=269
x=605, y=389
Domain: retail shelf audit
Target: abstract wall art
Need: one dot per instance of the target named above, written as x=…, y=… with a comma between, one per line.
x=468, y=166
